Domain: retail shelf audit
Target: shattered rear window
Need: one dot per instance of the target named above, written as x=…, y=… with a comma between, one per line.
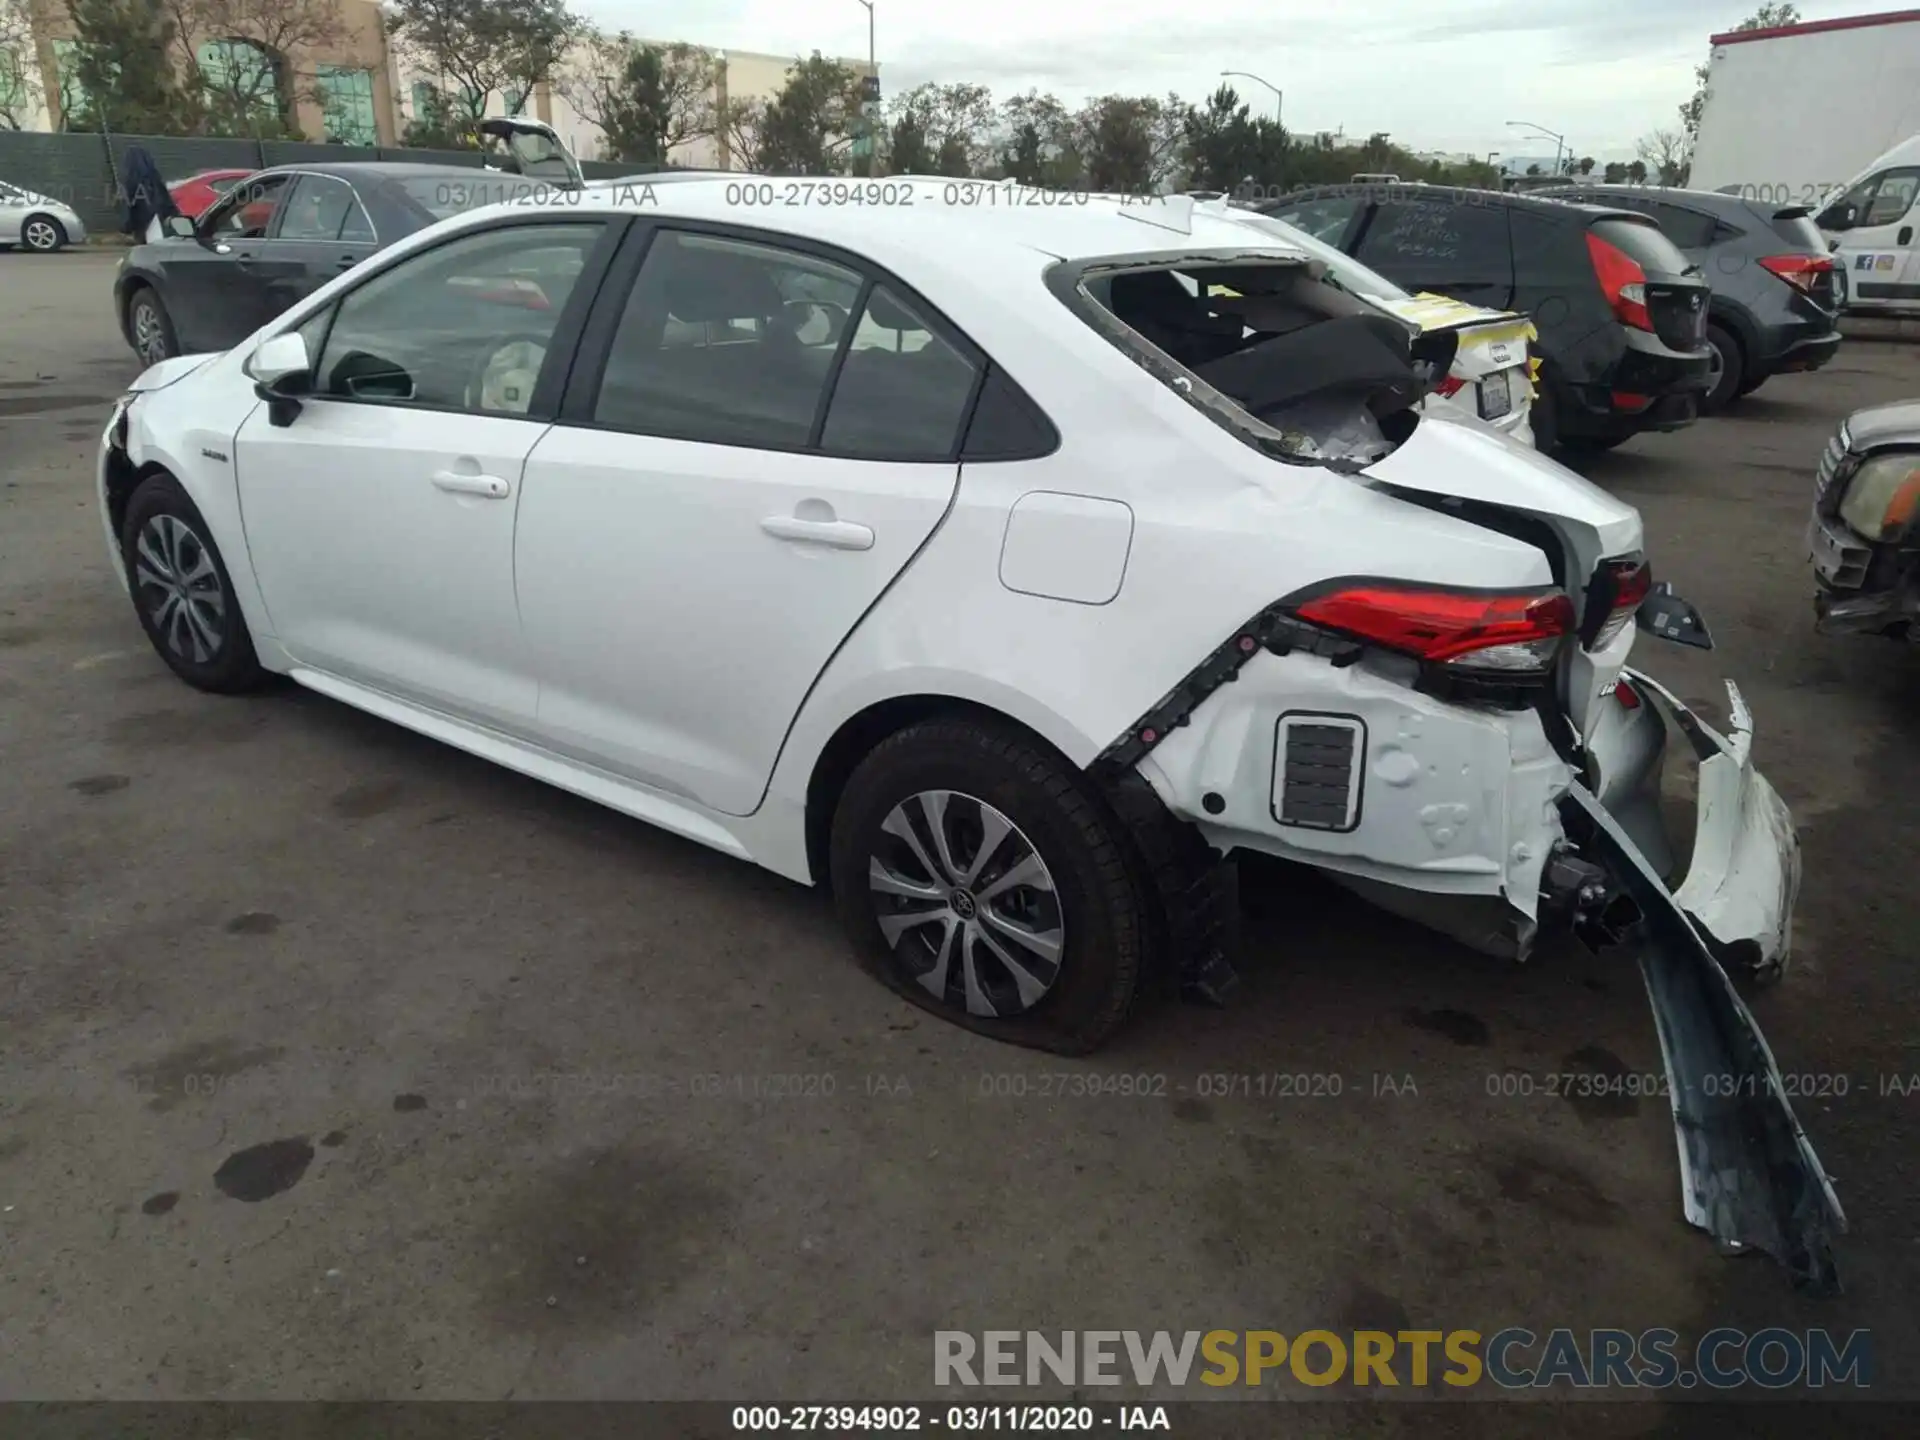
x=1270, y=348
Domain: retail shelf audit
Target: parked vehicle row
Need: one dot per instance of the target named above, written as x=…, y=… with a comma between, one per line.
x=37, y=222
x=911, y=552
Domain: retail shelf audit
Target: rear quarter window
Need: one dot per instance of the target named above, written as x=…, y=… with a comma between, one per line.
x=1645, y=242
x=1796, y=227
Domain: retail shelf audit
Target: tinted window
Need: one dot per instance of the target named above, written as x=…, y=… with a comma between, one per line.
x=726, y=341
x=317, y=208
x=1646, y=243
x=222, y=187
x=901, y=391
x=1006, y=425
x=1688, y=229
x=463, y=326
x=1893, y=198
x=1441, y=243
x=1796, y=227
x=1326, y=219
x=248, y=208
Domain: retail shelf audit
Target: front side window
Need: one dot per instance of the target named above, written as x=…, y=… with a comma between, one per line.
x=1893, y=197
x=247, y=210
x=464, y=326
x=723, y=340
x=1326, y=220
x=318, y=209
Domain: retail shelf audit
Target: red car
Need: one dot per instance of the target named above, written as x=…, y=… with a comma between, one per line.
x=195, y=193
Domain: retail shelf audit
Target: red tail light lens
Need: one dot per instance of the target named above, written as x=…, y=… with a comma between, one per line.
x=1449, y=386
x=1618, y=589
x=1514, y=633
x=1623, y=282
x=1802, y=272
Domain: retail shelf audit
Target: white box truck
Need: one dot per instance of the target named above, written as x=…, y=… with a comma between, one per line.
x=1826, y=115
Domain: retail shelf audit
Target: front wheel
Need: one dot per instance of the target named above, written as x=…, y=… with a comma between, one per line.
x=151, y=328
x=43, y=234
x=979, y=876
x=182, y=592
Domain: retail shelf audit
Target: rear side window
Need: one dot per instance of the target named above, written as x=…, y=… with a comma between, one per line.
x=1688, y=229
x=901, y=391
x=1440, y=244
x=1646, y=244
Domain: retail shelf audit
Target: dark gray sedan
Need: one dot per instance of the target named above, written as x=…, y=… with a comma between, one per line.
x=277, y=236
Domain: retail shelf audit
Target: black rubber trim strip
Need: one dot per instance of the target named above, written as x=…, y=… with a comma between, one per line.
x=1272, y=629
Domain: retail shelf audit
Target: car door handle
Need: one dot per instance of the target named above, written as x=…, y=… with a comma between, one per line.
x=488, y=487
x=347, y=262
x=835, y=534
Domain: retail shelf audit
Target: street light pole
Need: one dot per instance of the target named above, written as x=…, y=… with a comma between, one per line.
x=1559, y=140
x=869, y=93
x=1279, y=100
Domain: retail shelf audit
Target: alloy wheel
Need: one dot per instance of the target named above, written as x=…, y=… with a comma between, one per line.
x=149, y=334
x=966, y=903
x=40, y=235
x=179, y=589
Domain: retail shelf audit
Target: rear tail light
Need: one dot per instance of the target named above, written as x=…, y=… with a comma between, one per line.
x=1803, y=272
x=1449, y=386
x=1516, y=635
x=1622, y=281
x=1630, y=402
x=1614, y=598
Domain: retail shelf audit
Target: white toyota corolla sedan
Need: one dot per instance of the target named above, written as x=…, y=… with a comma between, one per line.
x=1004, y=561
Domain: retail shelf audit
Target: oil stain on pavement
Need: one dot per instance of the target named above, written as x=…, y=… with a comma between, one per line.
x=593, y=1243
x=260, y=1172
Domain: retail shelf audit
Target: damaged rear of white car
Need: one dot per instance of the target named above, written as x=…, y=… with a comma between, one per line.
x=1451, y=728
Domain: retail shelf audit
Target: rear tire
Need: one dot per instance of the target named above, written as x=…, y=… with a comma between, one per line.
x=42, y=234
x=1752, y=383
x=182, y=592
x=932, y=824
x=1728, y=370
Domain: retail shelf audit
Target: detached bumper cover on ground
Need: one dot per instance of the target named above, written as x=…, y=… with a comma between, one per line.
x=1748, y=1174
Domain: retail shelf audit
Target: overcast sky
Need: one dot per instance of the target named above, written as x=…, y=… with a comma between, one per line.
x=1436, y=76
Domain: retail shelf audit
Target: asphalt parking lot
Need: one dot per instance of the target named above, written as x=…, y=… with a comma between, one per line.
x=338, y=1064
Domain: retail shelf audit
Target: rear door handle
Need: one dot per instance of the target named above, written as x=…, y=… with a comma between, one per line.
x=487, y=487
x=835, y=534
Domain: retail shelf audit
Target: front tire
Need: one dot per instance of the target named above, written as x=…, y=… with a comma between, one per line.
x=42, y=234
x=150, y=328
x=182, y=592
x=980, y=876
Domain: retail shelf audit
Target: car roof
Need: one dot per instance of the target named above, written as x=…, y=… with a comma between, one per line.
x=372, y=170
x=1420, y=190
x=1713, y=201
x=958, y=222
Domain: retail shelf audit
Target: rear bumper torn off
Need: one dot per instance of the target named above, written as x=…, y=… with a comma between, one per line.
x=1749, y=1176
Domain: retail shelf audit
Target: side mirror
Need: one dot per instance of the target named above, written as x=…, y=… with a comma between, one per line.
x=179, y=227
x=1839, y=217
x=282, y=375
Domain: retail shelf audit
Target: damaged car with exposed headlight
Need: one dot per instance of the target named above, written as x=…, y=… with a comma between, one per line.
x=1862, y=537
x=1006, y=562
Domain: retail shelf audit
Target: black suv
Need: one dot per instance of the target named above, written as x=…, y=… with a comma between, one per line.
x=1621, y=313
x=1775, y=295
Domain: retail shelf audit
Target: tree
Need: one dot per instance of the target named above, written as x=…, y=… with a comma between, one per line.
x=806, y=129
x=1585, y=165
x=250, y=87
x=123, y=79
x=1665, y=155
x=644, y=99
x=1765, y=18
x=1533, y=169
x=940, y=130
x=1130, y=143
x=1637, y=172
x=19, y=69
x=1042, y=147
x=1615, y=173
x=482, y=47
x=1222, y=144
